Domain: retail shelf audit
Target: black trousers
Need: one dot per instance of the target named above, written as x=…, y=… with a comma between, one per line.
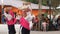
x=25, y=31
x=11, y=29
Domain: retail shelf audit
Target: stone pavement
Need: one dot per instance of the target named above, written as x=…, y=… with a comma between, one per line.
x=38, y=32
x=4, y=30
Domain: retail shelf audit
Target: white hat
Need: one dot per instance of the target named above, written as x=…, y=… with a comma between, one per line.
x=23, y=7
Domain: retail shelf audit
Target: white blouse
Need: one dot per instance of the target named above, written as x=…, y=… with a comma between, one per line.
x=29, y=18
x=8, y=16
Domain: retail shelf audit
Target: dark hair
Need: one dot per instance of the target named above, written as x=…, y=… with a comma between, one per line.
x=44, y=20
x=42, y=14
x=7, y=12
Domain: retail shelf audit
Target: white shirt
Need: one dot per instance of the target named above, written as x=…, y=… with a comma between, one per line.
x=18, y=17
x=8, y=16
x=49, y=16
x=29, y=18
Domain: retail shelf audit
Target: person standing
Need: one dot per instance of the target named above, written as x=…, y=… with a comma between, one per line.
x=35, y=21
x=3, y=17
x=58, y=23
x=25, y=26
x=10, y=21
x=26, y=21
x=44, y=25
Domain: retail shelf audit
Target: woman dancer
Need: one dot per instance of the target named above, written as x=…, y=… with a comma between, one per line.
x=10, y=21
x=26, y=20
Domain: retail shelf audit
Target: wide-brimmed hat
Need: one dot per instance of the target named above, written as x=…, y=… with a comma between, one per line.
x=23, y=7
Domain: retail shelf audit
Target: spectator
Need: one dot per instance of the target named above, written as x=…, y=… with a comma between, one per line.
x=44, y=24
x=58, y=22
x=47, y=23
x=3, y=17
x=54, y=23
x=35, y=21
x=41, y=21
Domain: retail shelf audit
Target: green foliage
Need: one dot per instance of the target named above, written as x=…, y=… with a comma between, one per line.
x=44, y=2
x=33, y=1
x=54, y=3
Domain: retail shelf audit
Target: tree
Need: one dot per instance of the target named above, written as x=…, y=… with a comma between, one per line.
x=33, y=1
x=55, y=3
x=44, y=2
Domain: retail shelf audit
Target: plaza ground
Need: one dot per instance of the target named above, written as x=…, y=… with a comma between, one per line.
x=4, y=30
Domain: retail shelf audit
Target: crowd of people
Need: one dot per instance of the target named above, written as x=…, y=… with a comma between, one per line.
x=49, y=23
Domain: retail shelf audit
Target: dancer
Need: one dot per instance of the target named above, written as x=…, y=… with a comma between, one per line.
x=26, y=21
x=10, y=21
